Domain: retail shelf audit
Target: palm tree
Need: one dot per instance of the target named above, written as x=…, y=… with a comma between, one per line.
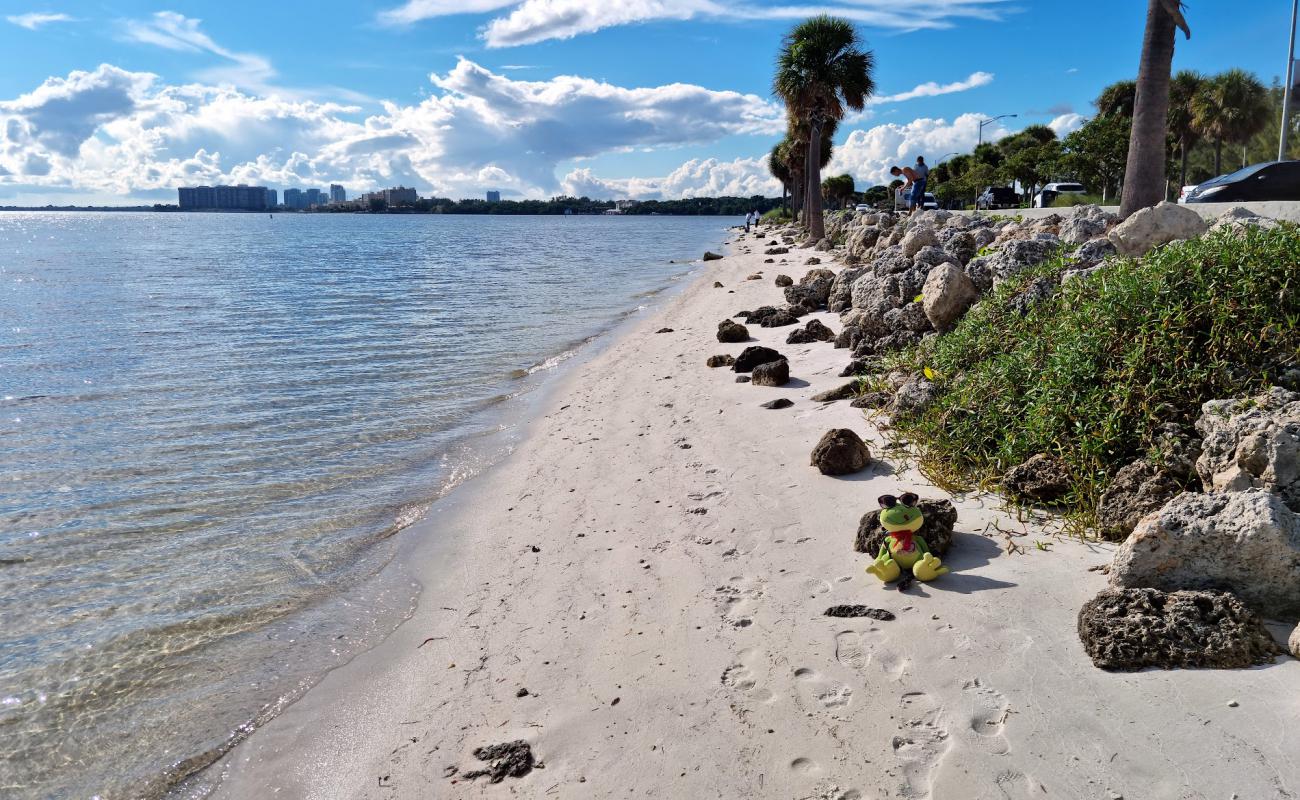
x=1232, y=107
x=1183, y=88
x=1144, y=173
x=822, y=71
x=796, y=159
x=777, y=166
x=1117, y=99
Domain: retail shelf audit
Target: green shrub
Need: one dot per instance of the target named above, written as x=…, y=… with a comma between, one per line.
x=777, y=215
x=1072, y=200
x=1090, y=372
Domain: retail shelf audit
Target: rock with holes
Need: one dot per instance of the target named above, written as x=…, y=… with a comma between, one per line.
x=840, y=452
x=772, y=373
x=730, y=332
x=1044, y=478
x=784, y=280
x=1152, y=227
x=753, y=356
x=1132, y=629
x=1252, y=443
x=812, y=331
x=1247, y=543
x=940, y=517
x=947, y=293
x=723, y=360
x=843, y=392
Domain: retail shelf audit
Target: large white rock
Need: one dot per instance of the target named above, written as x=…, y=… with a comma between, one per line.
x=1245, y=542
x=1252, y=443
x=919, y=236
x=1152, y=227
x=947, y=293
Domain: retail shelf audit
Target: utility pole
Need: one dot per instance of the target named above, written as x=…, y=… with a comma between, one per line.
x=1290, y=79
x=984, y=122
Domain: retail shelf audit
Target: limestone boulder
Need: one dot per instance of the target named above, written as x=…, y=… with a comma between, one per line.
x=772, y=373
x=1133, y=629
x=753, y=356
x=724, y=360
x=1252, y=443
x=784, y=280
x=915, y=395
x=841, y=294
x=940, y=517
x=1244, y=542
x=812, y=331
x=730, y=332
x=917, y=237
x=1044, y=478
x=947, y=293
x=1152, y=227
x=840, y=452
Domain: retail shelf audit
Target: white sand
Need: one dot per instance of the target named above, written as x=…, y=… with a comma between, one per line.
x=675, y=654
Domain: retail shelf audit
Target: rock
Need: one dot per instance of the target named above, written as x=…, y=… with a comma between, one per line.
x=859, y=611
x=710, y=256
x=743, y=379
x=824, y=245
x=918, y=236
x=1239, y=220
x=812, y=261
x=778, y=403
x=1244, y=542
x=940, y=517
x=755, y=277
x=961, y=246
x=855, y=367
x=915, y=395
x=753, y=356
x=769, y=261
x=909, y=317
x=843, y=392
x=1132, y=629
x=1014, y=258
x=730, y=332
x=1091, y=253
x=1137, y=490
x=1293, y=643
x=1252, y=443
x=1044, y=478
x=773, y=373
x=841, y=294
x=873, y=400
x=1079, y=229
x=947, y=293
x=1039, y=290
x=664, y=330
x=813, y=331
x=928, y=257
x=840, y=452
x=720, y=361
x=780, y=319
x=508, y=760
x=814, y=289
x=1152, y=227
x=776, y=251
x=784, y=280
x=717, y=285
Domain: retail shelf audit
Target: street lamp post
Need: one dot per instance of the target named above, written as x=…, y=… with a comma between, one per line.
x=1290, y=80
x=995, y=119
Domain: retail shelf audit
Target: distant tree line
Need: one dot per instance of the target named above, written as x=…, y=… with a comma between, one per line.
x=690, y=207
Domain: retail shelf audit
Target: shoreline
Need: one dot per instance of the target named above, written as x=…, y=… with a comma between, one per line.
x=581, y=568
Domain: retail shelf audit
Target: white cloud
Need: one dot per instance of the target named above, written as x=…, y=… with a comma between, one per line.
x=35, y=19
x=173, y=31
x=1068, y=123
x=125, y=133
x=531, y=21
x=932, y=89
x=868, y=154
x=709, y=177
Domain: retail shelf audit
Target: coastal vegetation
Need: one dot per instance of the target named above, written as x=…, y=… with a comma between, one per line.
x=1089, y=373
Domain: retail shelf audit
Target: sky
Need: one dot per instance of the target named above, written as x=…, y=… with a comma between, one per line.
x=121, y=101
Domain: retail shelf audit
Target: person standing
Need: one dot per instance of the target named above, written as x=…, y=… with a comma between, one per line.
x=748, y=216
x=922, y=177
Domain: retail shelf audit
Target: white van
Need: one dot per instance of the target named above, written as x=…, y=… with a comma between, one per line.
x=1051, y=191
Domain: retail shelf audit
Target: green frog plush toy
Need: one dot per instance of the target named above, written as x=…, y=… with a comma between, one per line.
x=903, y=550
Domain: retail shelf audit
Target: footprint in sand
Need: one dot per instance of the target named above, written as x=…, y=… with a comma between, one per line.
x=987, y=710
x=819, y=694
x=741, y=675
x=738, y=599
x=804, y=766
x=920, y=743
x=973, y=759
x=849, y=650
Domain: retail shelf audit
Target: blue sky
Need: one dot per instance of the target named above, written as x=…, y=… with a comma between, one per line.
x=124, y=100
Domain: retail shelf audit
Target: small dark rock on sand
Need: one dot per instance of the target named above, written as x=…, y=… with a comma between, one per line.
x=743, y=379
x=717, y=284
x=773, y=373
x=844, y=392
x=1044, y=478
x=784, y=280
x=860, y=611
x=812, y=262
x=664, y=330
x=730, y=332
x=754, y=277
x=711, y=256
x=940, y=517
x=753, y=356
x=506, y=760
x=873, y=400
x=840, y=452
x=813, y=331
x=724, y=360
x=769, y=261
x=780, y=319
x=778, y=403
x=522, y=692
x=1130, y=629
x=776, y=251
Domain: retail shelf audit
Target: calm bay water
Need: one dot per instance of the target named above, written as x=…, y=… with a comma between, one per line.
x=212, y=426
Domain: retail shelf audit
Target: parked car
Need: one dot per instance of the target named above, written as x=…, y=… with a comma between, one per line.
x=863, y=208
x=1272, y=180
x=1051, y=191
x=930, y=202
x=995, y=197
x=1187, y=190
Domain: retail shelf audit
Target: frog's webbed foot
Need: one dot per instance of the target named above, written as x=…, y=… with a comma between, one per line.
x=885, y=568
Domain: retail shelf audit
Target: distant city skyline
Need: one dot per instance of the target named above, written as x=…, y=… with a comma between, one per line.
x=533, y=98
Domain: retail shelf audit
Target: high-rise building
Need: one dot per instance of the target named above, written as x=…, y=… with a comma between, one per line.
x=314, y=197
x=272, y=199
x=223, y=198
x=400, y=196
x=293, y=198
x=494, y=197
x=338, y=194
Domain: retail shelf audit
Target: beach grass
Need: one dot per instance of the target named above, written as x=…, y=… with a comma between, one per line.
x=1089, y=373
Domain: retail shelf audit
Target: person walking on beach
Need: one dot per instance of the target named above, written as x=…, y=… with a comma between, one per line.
x=749, y=216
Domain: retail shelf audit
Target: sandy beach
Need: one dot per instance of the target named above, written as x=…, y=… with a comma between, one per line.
x=638, y=592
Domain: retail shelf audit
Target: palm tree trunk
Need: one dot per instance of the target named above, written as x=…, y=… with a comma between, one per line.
x=1144, y=175
x=813, y=219
x=1182, y=171
x=1218, y=156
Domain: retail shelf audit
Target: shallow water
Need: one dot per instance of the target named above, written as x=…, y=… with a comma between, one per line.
x=213, y=426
